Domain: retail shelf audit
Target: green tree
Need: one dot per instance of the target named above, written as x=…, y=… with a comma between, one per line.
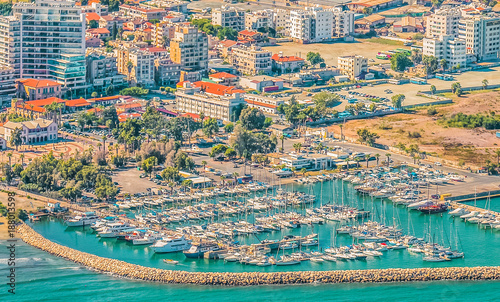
x=134, y=91
x=485, y=84
x=170, y=174
x=430, y=63
x=433, y=89
x=230, y=153
x=397, y=100
x=210, y=127
x=400, y=61
x=365, y=136
x=229, y=127
x=252, y=118
x=367, y=11
x=444, y=64
x=148, y=164
x=217, y=150
x=314, y=58
x=227, y=33
x=93, y=24
x=16, y=138
x=71, y=193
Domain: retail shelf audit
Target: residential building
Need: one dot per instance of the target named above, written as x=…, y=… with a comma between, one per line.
x=353, y=66
x=444, y=22
x=370, y=22
x=10, y=44
x=143, y=70
x=53, y=42
x=178, y=6
x=102, y=72
x=110, y=21
x=258, y=19
x=281, y=21
x=311, y=25
x=162, y=33
x=224, y=78
x=265, y=104
x=251, y=60
x=251, y=37
x=33, y=89
x=286, y=64
x=229, y=17
x=262, y=83
x=7, y=86
x=375, y=5
x=452, y=49
x=343, y=22
x=144, y=13
x=482, y=36
x=166, y=72
x=189, y=48
x=214, y=100
x=3, y=142
x=408, y=24
x=37, y=131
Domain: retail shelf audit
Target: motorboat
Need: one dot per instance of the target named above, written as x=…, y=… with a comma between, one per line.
x=458, y=212
x=171, y=245
x=198, y=250
x=87, y=218
x=170, y=261
x=113, y=229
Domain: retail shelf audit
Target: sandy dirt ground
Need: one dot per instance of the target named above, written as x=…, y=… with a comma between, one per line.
x=331, y=51
x=30, y=152
x=473, y=146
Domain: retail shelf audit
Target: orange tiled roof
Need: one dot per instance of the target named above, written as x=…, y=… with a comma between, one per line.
x=77, y=103
x=44, y=102
x=92, y=17
x=260, y=104
x=222, y=75
x=38, y=83
x=216, y=88
x=248, y=33
x=276, y=57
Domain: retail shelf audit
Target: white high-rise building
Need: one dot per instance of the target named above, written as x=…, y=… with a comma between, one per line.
x=481, y=35
x=281, y=21
x=311, y=25
x=343, y=22
x=444, y=22
x=229, y=17
x=446, y=47
x=48, y=37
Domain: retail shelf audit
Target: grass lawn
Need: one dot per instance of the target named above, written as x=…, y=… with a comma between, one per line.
x=384, y=41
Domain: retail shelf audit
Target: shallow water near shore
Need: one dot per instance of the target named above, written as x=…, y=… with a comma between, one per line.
x=59, y=278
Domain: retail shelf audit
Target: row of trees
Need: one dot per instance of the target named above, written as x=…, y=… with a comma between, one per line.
x=296, y=113
x=220, y=32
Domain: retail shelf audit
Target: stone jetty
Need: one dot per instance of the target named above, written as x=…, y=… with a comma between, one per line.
x=138, y=272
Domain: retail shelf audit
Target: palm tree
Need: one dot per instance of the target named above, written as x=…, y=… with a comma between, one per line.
x=341, y=132
x=303, y=171
x=235, y=175
x=377, y=156
x=388, y=155
x=497, y=153
x=297, y=147
x=104, y=138
x=347, y=163
x=9, y=155
x=204, y=163
x=22, y=159
x=357, y=160
x=282, y=137
x=367, y=158
x=130, y=65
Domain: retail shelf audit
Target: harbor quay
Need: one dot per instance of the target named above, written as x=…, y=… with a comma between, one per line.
x=131, y=271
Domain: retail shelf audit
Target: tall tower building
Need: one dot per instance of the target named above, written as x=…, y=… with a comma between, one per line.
x=189, y=48
x=45, y=40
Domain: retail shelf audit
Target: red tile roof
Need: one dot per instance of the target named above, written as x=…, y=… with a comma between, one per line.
x=217, y=89
x=276, y=57
x=92, y=17
x=31, y=107
x=77, y=103
x=154, y=49
x=228, y=43
x=38, y=83
x=98, y=30
x=248, y=33
x=222, y=75
x=94, y=110
x=44, y=102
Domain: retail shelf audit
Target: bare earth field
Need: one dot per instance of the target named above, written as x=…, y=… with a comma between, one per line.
x=331, y=51
x=472, y=146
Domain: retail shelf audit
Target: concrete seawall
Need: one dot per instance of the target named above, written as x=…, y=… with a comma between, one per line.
x=132, y=271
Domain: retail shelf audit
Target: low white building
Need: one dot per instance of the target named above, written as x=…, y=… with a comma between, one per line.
x=264, y=104
x=308, y=161
x=37, y=131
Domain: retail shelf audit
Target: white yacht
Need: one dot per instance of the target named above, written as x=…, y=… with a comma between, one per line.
x=171, y=244
x=83, y=219
x=458, y=212
x=113, y=229
x=149, y=238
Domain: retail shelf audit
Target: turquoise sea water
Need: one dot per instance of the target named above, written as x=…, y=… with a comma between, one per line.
x=42, y=277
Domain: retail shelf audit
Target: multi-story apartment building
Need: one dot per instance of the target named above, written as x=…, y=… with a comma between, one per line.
x=189, y=48
x=482, y=36
x=264, y=104
x=311, y=25
x=446, y=47
x=7, y=86
x=251, y=60
x=343, y=22
x=162, y=33
x=51, y=42
x=444, y=22
x=229, y=17
x=144, y=13
x=286, y=64
x=352, y=66
x=258, y=19
x=102, y=72
x=143, y=71
x=281, y=21
x=166, y=72
x=214, y=100
x=10, y=44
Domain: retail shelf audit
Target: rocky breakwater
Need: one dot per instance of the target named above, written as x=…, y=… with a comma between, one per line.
x=132, y=271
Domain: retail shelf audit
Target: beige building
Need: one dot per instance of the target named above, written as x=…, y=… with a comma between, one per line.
x=189, y=48
x=258, y=19
x=214, y=100
x=251, y=60
x=142, y=69
x=229, y=17
x=352, y=66
x=444, y=22
x=162, y=32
